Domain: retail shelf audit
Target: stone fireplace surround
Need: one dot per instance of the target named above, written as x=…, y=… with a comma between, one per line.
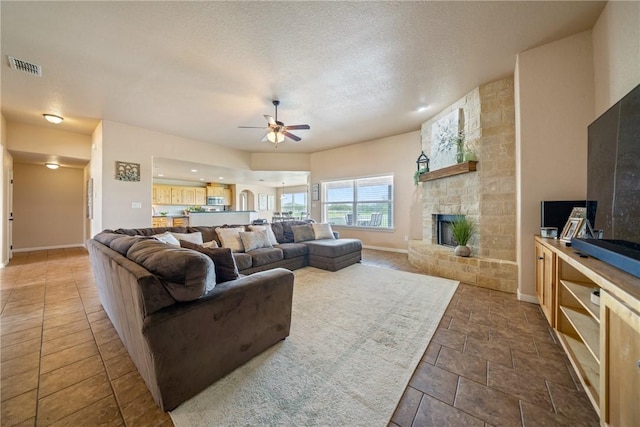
x=487, y=197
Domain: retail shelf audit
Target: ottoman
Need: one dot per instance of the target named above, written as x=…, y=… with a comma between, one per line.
x=334, y=254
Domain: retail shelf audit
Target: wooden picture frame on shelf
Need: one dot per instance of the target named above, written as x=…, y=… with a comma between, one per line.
x=571, y=229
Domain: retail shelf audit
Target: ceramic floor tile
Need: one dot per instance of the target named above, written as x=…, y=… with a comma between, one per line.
x=53, y=381
x=469, y=328
x=19, y=384
x=407, y=407
x=545, y=368
x=573, y=404
x=523, y=386
x=488, y=350
x=534, y=416
x=71, y=319
x=66, y=341
x=111, y=349
x=67, y=356
x=50, y=333
x=143, y=412
x=459, y=363
x=106, y=335
x=69, y=400
x=435, y=381
x=19, y=409
x=119, y=366
x=20, y=364
x=104, y=412
x=433, y=412
x=129, y=387
x=19, y=350
x=446, y=338
x=22, y=336
x=431, y=354
x=487, y=404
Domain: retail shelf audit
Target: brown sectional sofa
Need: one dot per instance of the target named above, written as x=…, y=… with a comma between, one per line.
x=182, y=330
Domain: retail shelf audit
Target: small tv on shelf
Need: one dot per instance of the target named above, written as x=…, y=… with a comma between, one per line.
x=613, y=181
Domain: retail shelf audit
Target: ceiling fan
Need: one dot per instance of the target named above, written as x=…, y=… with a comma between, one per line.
x=278, y=130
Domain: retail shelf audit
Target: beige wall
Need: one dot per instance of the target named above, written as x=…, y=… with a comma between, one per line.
x=47, y=206
x=43, y=140
x=616, y=53
x=280, y=162
x=7, y=168
x=554, y=106
x=394, y=155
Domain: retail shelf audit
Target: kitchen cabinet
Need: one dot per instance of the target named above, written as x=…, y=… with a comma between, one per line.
x=188, y=196
x=180, y=222
x=201, y=196
x=159, y=221
x=545, y=280
x=226, y=197
x=215, y=191
x=602, y=341
x=161, y=195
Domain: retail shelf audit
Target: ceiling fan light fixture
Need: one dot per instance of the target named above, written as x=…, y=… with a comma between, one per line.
x=52, y=165
x=275, y=137
x=52, y=118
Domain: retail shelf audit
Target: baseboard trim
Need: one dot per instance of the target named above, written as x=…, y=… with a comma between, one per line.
x=528, y=298
x=45, y=248
x=379, y=248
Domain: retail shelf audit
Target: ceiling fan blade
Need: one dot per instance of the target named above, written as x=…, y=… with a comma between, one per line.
x=270, y=119
x=251, y=127
x=298, y=127
x=292, y=136
x=264, y=138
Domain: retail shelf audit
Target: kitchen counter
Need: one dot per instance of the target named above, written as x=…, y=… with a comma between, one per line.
x=221, y=217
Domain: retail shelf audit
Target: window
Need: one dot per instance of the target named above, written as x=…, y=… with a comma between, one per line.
x=296, y=203
x=362, y=202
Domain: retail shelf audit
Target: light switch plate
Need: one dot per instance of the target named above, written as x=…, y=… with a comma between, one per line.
x=136, y=205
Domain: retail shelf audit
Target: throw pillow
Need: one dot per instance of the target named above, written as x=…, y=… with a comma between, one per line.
x=322, y=231
x=254, y=240
x=223, y=261
x=167, y=238
x=302, y=233
x=189, y=237
x=267, y=228
x=211, y=244
x=230, y=238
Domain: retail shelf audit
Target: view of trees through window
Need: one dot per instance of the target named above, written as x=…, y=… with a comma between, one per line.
x=362, y=202
x=296, y=203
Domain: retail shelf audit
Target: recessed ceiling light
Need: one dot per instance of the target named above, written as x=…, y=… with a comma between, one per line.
x=160, y=174
x=201, y=179
x=52, y=165
x=221, y=177
x=52, y=118
x=422, y=108
x=194, y=170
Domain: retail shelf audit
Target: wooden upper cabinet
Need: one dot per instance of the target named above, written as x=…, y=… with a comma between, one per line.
x=188, y=195
x=201, y=196
x=161, y=195
x=215, y=191
x=226, y=196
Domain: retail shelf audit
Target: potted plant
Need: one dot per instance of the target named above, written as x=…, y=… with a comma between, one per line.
x=462, y=230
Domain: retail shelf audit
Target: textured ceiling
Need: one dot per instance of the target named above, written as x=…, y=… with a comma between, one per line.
x=354, y=71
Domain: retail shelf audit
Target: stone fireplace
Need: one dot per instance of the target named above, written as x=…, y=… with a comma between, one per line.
x=443, y=232
x=486, y=196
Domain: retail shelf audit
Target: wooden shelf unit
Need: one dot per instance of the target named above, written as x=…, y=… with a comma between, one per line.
x=602, y=342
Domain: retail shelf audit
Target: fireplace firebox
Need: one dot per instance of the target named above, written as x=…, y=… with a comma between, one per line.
x=444, y=224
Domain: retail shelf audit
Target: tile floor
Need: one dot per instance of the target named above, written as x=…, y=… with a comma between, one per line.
x=492, y=360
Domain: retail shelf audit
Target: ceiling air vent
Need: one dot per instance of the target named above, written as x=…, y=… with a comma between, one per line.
x=25, y=67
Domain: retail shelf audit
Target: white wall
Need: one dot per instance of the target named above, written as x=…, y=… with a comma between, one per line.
x=554, y=106
x=120, y=142
x=394, y=155
x=616, y=53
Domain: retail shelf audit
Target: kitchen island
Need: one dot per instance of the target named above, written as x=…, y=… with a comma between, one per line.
x=221, y=218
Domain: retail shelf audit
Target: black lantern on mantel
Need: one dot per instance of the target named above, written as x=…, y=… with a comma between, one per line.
x=422, y=163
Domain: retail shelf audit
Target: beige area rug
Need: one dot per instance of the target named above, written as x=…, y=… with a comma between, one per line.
x=356, y=337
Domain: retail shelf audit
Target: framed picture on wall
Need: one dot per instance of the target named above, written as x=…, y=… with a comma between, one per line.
x=262, y=202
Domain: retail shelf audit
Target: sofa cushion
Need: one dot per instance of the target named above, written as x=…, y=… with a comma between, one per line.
x=105, y=237
x=167, y=238
x=333, y=248
x=264, y=256
x=149, y=231
x=293, y=250
x=230, y=238
x=254, y=240
x=268, y=229
x=122, y=244
x=195, y=237
x=302, y=233
x=186, y=274
x=322, y=231
x=243, y=261
x=223, y=261
x=208, y=233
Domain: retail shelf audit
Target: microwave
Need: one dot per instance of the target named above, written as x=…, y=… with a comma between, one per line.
x=215, y=201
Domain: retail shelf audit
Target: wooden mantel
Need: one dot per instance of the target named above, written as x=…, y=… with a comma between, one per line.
x=457, y=169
